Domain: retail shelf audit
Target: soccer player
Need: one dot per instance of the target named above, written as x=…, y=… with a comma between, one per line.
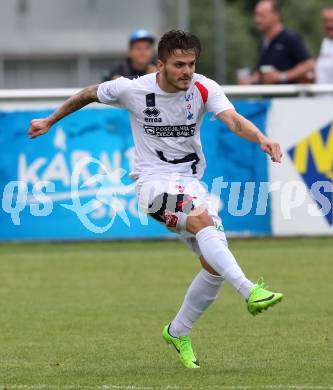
x=166, y=109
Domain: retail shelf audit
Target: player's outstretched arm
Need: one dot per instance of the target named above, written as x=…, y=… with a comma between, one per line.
x=246, y=129
x=85, y=96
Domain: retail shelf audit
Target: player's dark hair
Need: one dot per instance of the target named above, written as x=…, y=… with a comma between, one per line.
x=177, y=39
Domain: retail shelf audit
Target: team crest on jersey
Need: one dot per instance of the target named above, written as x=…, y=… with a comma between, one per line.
x=313, y=160
x=150, y=100
x=151, y=111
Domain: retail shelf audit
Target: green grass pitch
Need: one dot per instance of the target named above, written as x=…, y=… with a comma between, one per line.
x=90, y=316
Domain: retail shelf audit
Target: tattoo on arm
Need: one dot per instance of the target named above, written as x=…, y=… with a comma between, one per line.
x=241, y=126
x=246, y=129
x=74, y=103
x=237, y=126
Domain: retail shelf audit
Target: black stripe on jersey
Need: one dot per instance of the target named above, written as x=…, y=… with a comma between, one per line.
x=189, y=157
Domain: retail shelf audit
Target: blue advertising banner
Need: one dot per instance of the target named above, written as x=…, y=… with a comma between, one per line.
x=243, y=167
x=53, y=187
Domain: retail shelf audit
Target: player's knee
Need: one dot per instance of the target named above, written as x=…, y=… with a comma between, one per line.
x=198, y=221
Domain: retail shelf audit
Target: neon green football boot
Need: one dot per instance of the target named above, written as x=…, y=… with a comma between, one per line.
x=261, y=299
x=183, y=346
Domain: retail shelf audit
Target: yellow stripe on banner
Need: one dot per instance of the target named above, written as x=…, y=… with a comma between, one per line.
x=322, y=153
x=301, y=156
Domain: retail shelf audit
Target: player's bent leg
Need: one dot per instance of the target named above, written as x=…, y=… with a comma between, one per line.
x=215, y=251
x=221, y=260
x=178, y=212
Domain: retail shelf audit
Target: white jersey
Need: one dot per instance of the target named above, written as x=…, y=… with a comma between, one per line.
x=166, y=126
x=324, y=65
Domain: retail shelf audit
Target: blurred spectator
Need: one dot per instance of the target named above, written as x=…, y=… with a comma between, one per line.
x=140, y=57
x=324, y=66
x=283, y=57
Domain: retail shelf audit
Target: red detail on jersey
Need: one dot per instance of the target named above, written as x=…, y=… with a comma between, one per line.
x=170, y=219
x=203, y=91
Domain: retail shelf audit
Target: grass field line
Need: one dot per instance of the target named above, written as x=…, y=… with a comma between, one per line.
x=44, y=386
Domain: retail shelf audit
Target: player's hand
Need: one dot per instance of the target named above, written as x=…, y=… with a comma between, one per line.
x=38, y=127
x=273, y=149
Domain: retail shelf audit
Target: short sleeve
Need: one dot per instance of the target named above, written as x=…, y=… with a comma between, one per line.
x=298, y=49
x=111, y=92
x=217, y=101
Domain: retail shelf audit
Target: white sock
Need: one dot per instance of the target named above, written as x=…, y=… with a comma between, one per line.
x=218, y=256
x=201, y=293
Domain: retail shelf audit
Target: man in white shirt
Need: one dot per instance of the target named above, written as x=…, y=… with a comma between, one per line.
x=166, y=109
x=324, y=65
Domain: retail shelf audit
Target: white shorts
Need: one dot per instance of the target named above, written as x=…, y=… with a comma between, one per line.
x=149, y=190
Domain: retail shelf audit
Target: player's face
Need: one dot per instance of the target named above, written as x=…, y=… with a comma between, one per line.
x=141, y=53
x=178, y=69
x=327, y=18
x=265, y=16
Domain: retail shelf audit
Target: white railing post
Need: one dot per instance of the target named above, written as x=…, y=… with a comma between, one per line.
x=232, y=91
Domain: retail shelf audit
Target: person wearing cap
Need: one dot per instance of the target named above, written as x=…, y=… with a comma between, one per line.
x=140, y=57
x=283, y=57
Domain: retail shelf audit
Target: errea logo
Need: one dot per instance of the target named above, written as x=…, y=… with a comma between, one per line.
x=313, y=160
x=152, y=112
x=152, y=115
